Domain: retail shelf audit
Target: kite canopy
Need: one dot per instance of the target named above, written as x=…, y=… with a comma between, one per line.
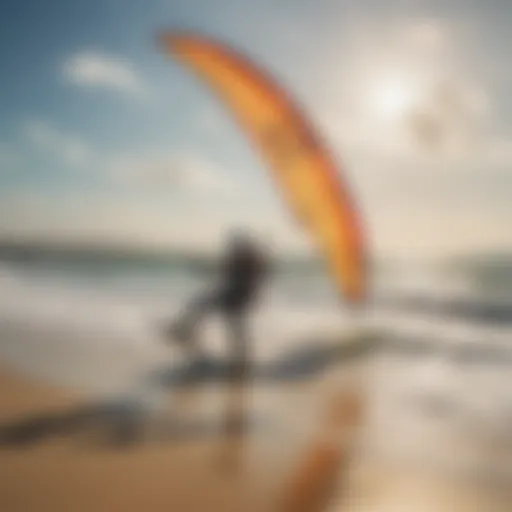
x=304, y=170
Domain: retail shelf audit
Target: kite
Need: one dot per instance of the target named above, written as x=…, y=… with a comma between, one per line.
x=305, y=171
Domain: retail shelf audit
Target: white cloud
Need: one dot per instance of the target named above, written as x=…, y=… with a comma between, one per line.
x=70, y=149
x=431, y=35
x=89, y=69
x=118, y=221
x=179, y=171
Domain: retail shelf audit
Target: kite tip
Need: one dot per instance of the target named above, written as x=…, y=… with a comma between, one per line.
x=166, y=38
x=179, y=37
x=172, y=38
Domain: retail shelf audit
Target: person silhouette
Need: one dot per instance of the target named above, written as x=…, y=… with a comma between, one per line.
x=243, y=271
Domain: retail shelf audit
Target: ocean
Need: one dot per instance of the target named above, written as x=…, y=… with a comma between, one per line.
x=83, y=303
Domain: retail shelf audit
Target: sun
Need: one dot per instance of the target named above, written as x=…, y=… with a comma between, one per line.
x=392, y=97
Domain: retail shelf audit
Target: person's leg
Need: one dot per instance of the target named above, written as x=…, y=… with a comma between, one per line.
x=237, y=326
x=235, y=419
x=184, y=329
x=198, y=308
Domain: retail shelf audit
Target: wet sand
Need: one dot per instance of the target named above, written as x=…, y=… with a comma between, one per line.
x=78, y=470
x=82, y=469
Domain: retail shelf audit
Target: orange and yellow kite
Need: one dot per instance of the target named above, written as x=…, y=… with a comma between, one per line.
x=306, y=172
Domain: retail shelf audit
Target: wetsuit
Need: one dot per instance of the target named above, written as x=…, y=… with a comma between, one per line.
x=242, y=275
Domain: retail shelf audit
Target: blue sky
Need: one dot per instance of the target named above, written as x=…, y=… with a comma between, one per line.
x=102, y=138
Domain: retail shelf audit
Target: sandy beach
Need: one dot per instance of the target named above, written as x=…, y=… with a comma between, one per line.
x=77, y=470
x=433, y=435
x=66, y=474
x=83, y=466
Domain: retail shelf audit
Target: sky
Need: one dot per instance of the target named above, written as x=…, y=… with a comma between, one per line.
x=104, y=139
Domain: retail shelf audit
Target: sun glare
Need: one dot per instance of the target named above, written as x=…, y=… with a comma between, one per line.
x=392, y=97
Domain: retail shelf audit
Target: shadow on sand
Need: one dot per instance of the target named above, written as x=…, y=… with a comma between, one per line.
x=124, y=421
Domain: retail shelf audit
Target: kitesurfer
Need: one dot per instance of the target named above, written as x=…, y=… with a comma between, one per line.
x=243, y=272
